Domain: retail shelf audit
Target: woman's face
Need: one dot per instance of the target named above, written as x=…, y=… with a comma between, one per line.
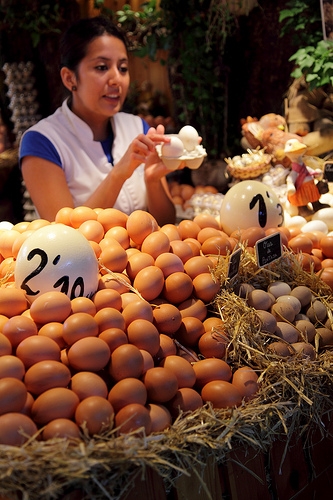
x=102, y=79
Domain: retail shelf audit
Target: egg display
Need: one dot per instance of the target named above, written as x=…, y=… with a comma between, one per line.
x=130, y=338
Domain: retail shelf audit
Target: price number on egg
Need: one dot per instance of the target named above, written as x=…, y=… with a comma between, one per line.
x=63, y=283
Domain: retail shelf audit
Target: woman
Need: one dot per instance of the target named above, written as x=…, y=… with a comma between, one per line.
x=89, y=152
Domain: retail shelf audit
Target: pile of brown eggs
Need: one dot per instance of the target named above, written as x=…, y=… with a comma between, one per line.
x=145, y=347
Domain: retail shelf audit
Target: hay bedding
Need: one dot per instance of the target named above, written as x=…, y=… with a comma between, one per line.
x=295, y=396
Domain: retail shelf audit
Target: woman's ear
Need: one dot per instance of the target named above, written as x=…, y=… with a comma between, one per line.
x=68, y=78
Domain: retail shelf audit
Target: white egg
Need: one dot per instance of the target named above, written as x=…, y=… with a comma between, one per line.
x=189, y=136
x=315, y=225
x=6, y=225
x=296, y=221
x=325, y=215
x=172, y=149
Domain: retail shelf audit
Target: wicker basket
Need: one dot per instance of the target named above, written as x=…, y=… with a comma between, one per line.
x=250, y=165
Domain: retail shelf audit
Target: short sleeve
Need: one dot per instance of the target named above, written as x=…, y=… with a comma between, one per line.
x=36, y=144
x=146, y=127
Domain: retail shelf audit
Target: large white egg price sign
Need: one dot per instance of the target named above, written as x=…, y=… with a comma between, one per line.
x=250, y=204
x=57, y=257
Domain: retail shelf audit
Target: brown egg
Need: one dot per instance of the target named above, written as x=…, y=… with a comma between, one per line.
x=113, y=257
x=139, y=224
x=171, y=231
x=305, y=349
x=194, y=245
x=169, y=263
x=301, y=243
x=86, y=384
x=287, y=332
x=185, y=400
x=160, y=417
x=45, y=375
x=54, y=331
x=182, y=249
x=292, y=300
x=112, y=217
x=177, y=288
x=206, y=287
x=283, y=311
x=58, y=402
x=156, y=243
x=144, y=335
x=211, y=323
x=181, y=368
x=18, y=328
x=116, y=281
x=246, y=380
x=133, y=417
x=114, y=337
x=83, y=304
x=95, y=414
x=79, y=325
x=280, y=348
x=307, y=330
x=13, y=395
x=26, y=410
x=193, y=307
x=221, y=394
x=216, y=245
x=212, y=345
x=148, y=360
x=5, y=345
x=61, y=428
x=325, y=337
x=167, y=318
x=13, y=301
x=259, y=299
x=107, y=298
x=92, y=230
x=303, y=293
x=16, y=429
x=197, y=265
x=206, y=220
x=127, y=391
x=279, y=288
x=210, y=369
x=190, y=331
x=119, y=234
x=108, y=317
x=326, y=246
x=149, y=282
x=126, y=361
x=167, y=347
x=268, y=321
x=138, y=261
x=51, y=306
x=188, y=229
x=7, y=239
x=161, y=384
x=317, y=311
x=137, y=309
x=251, y=235
x=37, y=348
x=89, y=353
x=326, y=275
x=208, y=232
x=81, y=214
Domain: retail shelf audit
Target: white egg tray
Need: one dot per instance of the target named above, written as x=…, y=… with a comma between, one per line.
x=191, y=159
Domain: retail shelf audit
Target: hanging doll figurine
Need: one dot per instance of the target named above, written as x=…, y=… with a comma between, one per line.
x=301, y=188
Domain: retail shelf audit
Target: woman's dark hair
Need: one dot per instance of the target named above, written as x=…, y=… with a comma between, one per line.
x=74, y=42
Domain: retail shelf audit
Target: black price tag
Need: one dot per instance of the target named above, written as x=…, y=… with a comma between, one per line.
x=234, y=263
x=328, y=171
x=268, y=249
